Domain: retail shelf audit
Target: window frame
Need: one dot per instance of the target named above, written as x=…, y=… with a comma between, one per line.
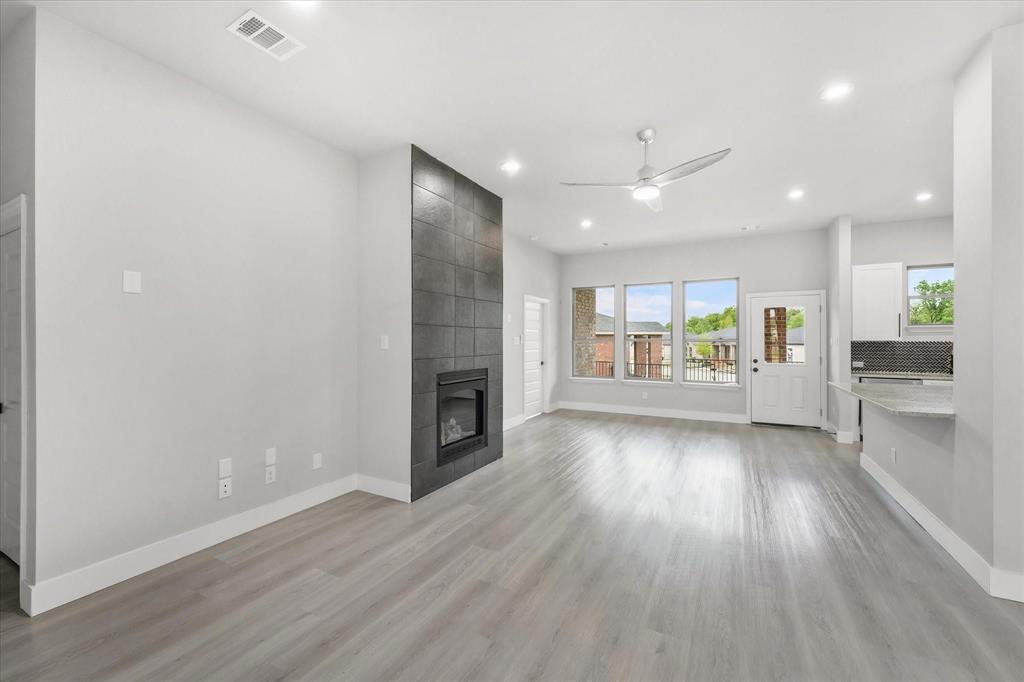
x=739, y=347
x=625, y=331
x=907, y=298
x=572, y=330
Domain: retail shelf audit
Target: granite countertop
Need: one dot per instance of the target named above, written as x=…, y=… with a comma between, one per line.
x=906, y=401
x=937, y=376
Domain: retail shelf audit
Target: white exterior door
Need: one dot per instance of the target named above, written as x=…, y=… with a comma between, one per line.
x=10, y=380
x=786, y=361
x=533, y=358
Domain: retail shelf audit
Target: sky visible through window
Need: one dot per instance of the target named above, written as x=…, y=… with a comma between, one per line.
x=649, y=303
x=931, y=275
x=709, y=297
x=606, y=301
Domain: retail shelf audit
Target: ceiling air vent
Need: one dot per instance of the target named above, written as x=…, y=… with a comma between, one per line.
x=260, y=33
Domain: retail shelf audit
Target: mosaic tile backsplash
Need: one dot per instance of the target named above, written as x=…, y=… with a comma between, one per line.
x=902, y=356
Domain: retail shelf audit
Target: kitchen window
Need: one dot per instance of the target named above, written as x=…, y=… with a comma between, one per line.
x=930, y=295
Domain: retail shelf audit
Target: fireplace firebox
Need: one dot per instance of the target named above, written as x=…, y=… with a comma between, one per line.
x=461, y=414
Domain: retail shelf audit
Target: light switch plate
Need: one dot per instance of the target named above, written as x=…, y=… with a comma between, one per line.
x=385, y=342
x=224, y=467
x=131, y=282
x=224, y=488
x=318, y=460
x=516, y=340
x=270, y=457
x=271, y=475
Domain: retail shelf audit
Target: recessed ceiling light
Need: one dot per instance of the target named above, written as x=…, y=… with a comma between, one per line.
x=511, y=166
x=836, y=91
x=304, y=4
x=923, y=197
x=796, y=193
x=586, y=223
x=646, y=192
x=534, y=237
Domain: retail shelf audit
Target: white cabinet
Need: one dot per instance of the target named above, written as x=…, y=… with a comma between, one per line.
x=877, y=302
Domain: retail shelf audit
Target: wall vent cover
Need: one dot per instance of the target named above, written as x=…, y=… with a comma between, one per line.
x=260, y=33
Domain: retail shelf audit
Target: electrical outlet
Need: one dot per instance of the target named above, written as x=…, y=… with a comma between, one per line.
x=892, y=454
x=858, y=364
x=643, y=395
x=224, y=488
x=271, y=474
x=270, y=457
x=385, y=342
x=224, y=467
x=318, y=460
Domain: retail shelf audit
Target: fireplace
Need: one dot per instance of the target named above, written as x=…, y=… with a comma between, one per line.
x=461, y=414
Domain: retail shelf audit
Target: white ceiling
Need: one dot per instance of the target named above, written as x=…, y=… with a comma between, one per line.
x=562, y=87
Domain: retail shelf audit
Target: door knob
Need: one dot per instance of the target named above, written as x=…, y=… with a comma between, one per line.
x=754, y=370
x=755, y=361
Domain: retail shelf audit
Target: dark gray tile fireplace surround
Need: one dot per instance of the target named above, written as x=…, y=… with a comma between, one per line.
x=456, y=309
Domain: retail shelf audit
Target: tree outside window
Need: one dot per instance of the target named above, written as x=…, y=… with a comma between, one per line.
x=930, y=295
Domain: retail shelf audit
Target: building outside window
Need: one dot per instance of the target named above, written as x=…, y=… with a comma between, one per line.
x=649, y=331
x=593, y=332
x=711, y=331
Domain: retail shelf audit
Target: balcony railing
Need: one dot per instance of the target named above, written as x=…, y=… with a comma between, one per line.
x=711, y=370
x=641, y=370
x=604, y=368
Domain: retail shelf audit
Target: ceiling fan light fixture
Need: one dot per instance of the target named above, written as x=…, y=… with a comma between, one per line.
x=646, y=192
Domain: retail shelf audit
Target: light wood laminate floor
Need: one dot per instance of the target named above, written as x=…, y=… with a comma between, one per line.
x=601, y=547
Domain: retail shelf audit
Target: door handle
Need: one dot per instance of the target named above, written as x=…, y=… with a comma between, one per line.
x=755, y=361
x=754, y=370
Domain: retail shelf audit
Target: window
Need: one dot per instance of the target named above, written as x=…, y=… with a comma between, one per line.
x=930, y=295
x=593, y=332
x=711, y=331
x=649, y=331
x=784, y=336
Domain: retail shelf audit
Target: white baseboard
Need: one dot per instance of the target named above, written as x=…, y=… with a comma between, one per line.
x=512, y=422
x=726, y=417
x=995, y=581
x=53, y=592
x=383, y=487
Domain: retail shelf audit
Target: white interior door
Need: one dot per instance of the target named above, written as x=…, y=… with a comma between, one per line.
x=533, y=358
x=10, y=385
x=786, y=360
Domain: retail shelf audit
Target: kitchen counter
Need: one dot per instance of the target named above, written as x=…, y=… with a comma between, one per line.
x=933, y=376
x=906, y=401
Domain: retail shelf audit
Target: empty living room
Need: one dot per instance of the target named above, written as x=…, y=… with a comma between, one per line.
x=517, y=340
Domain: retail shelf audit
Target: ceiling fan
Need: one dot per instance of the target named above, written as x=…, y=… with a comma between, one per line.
x=648, y=183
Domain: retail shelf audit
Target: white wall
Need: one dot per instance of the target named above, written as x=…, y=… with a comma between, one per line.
x=385, y=308
x=17, y=176
x=242, y=338
x=911, y=242
x=972, y=396
x=1008, y=294
x=763, y=263
x=528, y=269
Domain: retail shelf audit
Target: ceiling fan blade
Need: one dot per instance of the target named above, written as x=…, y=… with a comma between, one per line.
x=623, y=185
x=654, y=204
x=688, y=168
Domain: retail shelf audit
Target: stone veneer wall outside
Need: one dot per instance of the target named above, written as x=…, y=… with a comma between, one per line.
x=456, y=308
x=584, y=331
